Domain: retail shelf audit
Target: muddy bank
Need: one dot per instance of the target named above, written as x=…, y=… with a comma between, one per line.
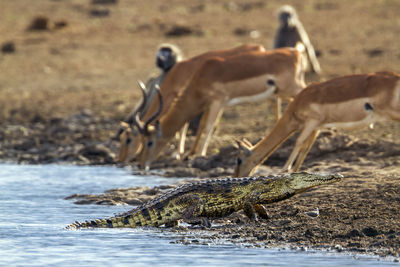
x=82, y=138
x=64, y=90
x=85, y=138
x=359, y=214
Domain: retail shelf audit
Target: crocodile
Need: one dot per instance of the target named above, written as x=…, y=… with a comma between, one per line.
x=196, y=203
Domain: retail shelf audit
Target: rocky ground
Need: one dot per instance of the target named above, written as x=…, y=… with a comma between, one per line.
x=68, y=76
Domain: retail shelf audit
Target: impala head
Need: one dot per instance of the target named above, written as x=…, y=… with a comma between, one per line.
x=130, y=137
x=130, y=141
x=150, y=133
x=242, y=167
x=152, y=143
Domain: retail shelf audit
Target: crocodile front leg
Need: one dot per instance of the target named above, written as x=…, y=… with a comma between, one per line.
x=252, y=209
x=249, y=210
x=261, y=211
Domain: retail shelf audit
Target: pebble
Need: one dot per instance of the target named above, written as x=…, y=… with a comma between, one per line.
x=339, y=248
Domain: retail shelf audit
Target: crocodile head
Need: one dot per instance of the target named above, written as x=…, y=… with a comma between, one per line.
x=301, y=181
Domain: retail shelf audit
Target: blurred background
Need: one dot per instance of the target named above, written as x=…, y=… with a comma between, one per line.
x=61, y=56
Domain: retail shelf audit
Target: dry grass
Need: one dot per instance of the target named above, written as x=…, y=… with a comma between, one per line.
x=94, y=62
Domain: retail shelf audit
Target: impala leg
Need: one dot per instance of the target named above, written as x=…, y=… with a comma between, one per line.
x=304, y=135
x=200, y=131
x=210, y=131
x=305, y=149
x=278, y=108
x=276, y=103
x=213, y=113
x=182, y=140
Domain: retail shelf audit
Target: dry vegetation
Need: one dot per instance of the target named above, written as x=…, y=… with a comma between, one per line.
x=94, y=62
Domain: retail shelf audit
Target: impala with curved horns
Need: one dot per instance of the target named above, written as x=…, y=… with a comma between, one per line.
x=175, y=80
x=344, y=102
x=221, y=82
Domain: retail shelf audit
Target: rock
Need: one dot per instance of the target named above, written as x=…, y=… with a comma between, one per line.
x=60, y=24
x=99, y=152
x=104, y=2
x=370, y=231
x=134, y=202
x=39, y=23
x=181, y=172
x=99, y=12
x=241, y=31
x=353, y=233
x=377, y=52
x=182, y=30
x=8, y=47
x=338, y=248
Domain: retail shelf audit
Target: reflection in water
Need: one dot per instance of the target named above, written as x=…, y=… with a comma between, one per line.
x=33, y=216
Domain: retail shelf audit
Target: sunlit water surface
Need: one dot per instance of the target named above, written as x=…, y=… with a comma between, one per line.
x=33, y=216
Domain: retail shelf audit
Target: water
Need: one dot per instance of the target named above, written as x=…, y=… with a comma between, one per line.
x=33, y=215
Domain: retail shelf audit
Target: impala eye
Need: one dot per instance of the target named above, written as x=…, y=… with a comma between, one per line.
x=128, y=141
x=150, y=144
x=270, y=82
x=238, y=161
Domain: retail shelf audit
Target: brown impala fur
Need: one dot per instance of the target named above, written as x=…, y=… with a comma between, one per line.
x=130, y=139
x=344, y=102
x=221, y=82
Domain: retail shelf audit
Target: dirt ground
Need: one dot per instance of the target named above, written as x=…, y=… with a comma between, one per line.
x=65, y=86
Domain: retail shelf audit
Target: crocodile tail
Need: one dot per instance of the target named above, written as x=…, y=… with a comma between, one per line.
x=122, y=221
x=100, y=223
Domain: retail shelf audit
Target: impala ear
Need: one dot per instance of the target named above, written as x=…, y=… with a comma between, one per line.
x=124, y=125
x=244, y=146
x=247, y=142
x=235, y=143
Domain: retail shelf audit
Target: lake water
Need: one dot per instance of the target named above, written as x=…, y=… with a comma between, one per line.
x=33, y=215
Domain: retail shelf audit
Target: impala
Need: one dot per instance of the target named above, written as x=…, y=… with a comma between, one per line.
x=220, y=82
x=344, y=102
x=131, y=139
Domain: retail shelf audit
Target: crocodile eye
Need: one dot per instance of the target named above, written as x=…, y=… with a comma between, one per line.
x=150, y=144
x=270, y=82
x=238, y=161
x=128, y=141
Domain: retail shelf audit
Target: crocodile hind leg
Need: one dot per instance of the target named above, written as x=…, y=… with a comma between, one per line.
x=193, y=208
